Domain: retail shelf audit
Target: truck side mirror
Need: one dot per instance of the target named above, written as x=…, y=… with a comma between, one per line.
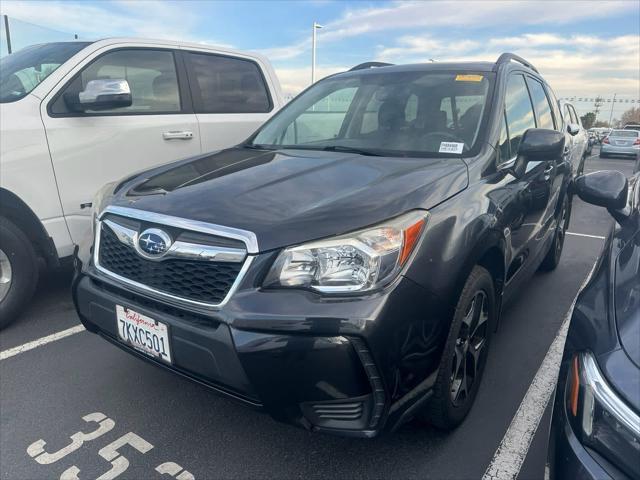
x=103, y=94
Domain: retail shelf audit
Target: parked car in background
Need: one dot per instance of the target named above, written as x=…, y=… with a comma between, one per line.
x=576, y=146
x=595, y=431
x=345, y=268
x=632, y=127
x=621, y=142
x=77, y=115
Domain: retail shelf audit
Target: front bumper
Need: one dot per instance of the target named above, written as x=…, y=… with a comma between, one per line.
x=325, y=365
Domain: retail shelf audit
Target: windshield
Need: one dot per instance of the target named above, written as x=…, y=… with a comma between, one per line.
x=390, y=113
x=22, y=71
x=624, y=133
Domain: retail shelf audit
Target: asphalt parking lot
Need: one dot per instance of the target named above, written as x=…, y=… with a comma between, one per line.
x=162, y=423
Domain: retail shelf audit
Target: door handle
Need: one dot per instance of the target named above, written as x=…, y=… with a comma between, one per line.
x=547, y=172
x=178, y=135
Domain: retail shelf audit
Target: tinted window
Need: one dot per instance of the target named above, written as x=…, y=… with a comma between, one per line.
x=541, y=104
x=227, y=85
x=394, y=113
x=22, y=71
x=151, y=75
x=520, y=116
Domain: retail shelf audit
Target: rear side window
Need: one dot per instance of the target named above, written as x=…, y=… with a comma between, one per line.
x=520, y=117
x=151, y=75
x=222, y=84
x=541, y=104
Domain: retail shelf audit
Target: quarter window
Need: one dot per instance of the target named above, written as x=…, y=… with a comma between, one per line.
x=520, y=117
x=151, y=75
x=541, y=104
x=222, y=84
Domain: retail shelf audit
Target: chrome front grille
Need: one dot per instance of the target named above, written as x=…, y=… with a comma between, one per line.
x=193, y=267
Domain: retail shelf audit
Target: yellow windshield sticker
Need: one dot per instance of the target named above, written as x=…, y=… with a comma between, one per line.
x=468, y=78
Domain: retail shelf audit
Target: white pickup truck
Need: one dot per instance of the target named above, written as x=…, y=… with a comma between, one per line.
x=76, y=115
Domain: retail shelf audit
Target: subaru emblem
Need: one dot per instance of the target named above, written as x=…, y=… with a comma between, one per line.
x=153, y=243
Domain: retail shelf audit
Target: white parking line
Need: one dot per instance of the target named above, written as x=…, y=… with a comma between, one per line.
x=599, y=237
x=513, y=448
x=40, y=342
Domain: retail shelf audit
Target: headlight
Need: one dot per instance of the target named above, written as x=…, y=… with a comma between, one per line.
x=602, y=420
x=357, y=262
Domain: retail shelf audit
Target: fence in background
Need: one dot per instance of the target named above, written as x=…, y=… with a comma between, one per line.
x=16, y=34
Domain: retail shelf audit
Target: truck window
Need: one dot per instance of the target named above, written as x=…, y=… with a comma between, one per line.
x=151, y=75
x=541, y=104
x=520, y=116
x=23, y=71
x=221, y=84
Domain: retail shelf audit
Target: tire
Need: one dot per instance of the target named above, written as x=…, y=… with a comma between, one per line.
x=448, y=407
x=602, y=155
x=552, y=259
x=19, y=263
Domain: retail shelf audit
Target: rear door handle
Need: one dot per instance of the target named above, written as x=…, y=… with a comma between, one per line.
x=178, y=135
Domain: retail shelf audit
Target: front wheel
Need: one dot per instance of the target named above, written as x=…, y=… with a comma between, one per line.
x=465, y=353
x=552, y=259
x=18, y=271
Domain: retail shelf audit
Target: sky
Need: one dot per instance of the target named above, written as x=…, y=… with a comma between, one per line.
x=583, y=48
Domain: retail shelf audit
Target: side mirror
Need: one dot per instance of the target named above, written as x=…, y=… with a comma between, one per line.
x=606, y=188
x=102, y=94
x=573, y=129
x=537, y=144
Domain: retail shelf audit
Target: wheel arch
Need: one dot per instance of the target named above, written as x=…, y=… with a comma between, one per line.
x=19, y=213
x=488, y=253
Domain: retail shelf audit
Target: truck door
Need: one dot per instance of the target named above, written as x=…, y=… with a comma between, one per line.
x=90, y=148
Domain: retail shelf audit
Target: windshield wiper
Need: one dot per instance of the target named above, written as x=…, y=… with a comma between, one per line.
x=257, y=146
x=360, y=151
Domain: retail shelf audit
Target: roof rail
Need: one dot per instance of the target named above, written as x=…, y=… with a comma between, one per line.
x=507, y=57
x=365, y=65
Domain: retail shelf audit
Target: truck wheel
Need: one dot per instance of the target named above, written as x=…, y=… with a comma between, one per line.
x=465, y=353
x=18, y=271
x=552, y=259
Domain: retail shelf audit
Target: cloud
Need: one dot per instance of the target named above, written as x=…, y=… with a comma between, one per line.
x=294, y=80
x=406, y=15
x=577, y=64
x=138, y=18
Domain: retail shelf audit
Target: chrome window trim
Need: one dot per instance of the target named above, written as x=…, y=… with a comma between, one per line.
x=248, y=237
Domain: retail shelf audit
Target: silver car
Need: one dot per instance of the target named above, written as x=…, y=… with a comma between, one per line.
x=621, y=142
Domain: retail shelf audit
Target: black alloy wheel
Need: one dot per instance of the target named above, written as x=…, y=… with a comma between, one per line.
x=465, y=352
x=469, y=349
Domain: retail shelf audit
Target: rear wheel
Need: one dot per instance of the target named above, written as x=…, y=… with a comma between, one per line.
x=18, y=271
x=552, y=259
x=465, y=352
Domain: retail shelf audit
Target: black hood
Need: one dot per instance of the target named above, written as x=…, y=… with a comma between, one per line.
x=288, y=197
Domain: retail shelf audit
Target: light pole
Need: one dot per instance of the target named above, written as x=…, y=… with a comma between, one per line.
x=316, y=26
x=613, y=102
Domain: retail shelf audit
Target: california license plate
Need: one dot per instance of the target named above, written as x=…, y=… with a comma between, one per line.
x=143, y=333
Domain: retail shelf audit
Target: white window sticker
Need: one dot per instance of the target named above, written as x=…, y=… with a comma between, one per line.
x=451, y=147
